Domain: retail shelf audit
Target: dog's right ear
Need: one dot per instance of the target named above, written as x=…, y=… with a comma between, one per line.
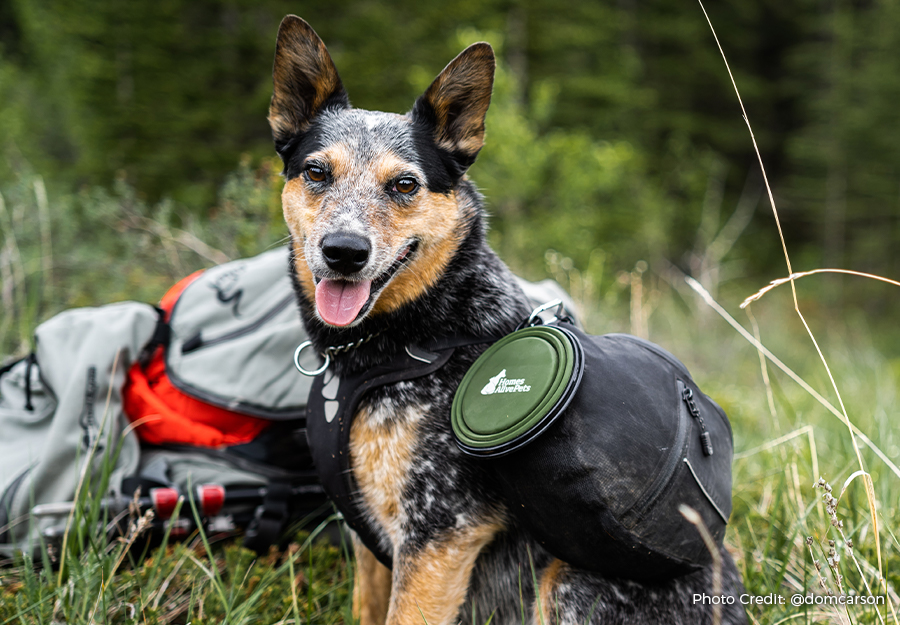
x=305, y=80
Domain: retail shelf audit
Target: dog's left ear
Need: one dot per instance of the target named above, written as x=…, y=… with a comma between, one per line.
x=454, y=106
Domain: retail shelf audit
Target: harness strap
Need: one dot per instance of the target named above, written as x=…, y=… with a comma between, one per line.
x=330, y=411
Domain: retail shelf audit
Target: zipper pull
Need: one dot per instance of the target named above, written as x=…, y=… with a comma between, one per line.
x=707, y=444
x=705, y=440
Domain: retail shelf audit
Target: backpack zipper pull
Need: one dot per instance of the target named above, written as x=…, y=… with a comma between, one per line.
x=688, y=396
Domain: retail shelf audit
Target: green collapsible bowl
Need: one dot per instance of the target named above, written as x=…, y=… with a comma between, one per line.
x=516, y=390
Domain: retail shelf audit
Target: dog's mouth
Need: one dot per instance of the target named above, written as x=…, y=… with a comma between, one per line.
x=341, y=302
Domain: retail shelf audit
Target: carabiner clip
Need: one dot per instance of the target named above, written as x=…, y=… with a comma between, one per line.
x=534, y=318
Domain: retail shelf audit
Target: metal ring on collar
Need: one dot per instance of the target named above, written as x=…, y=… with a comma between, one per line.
x=306, y=372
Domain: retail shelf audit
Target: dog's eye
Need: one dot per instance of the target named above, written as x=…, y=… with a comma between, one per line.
x=315, y=173
x=406, y=185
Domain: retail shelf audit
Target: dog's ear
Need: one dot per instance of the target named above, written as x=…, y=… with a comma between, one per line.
x=454, y=106
x=305, y=79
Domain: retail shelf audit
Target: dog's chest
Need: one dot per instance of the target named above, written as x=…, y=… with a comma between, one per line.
x=383, y=441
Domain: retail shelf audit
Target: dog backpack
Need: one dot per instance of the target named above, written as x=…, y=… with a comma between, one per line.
x=217, y=383
x=60, y=403
x=595, y=442
x=201, y=390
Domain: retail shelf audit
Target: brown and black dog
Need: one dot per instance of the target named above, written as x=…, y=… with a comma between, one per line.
x=388, y=240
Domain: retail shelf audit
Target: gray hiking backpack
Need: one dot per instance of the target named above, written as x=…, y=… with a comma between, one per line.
x=226, y=342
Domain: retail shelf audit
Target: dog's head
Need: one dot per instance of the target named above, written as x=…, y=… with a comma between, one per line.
x=371, y=198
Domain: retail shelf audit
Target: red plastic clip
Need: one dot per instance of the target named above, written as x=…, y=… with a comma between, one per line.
x=164, y=501
x=211, y=498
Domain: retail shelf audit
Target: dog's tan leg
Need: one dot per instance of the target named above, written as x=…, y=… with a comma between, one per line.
x=371, y=587
x=545, y=603
x=430, y=584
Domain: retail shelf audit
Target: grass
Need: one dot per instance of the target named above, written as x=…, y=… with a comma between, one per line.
x=187, y=582
x=785, y=439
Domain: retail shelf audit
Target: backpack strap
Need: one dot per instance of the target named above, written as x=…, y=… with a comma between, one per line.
x=31, y=359
x=271, y=517
x=332, y=406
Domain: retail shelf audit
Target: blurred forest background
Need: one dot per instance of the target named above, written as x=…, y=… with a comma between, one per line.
x=614, y=137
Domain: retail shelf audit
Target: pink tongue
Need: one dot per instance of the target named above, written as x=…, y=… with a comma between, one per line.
x=339, y=301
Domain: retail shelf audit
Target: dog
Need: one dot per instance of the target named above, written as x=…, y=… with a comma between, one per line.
x=388, y=249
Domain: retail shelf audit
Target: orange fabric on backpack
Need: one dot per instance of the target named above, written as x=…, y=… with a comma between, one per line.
x=167, y=303
x=165, y=415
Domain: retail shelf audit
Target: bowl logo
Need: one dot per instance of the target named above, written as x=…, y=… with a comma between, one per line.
x=501, y=384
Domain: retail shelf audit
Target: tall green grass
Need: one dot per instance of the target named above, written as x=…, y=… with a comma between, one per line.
x=193, y=581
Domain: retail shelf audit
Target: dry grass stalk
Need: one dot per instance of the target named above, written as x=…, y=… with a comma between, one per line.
x=40, y=194
x=770, y=397
x=85, y=469
x=696, y=520
x=870, y=491
x=698, y=288
x=802, y=274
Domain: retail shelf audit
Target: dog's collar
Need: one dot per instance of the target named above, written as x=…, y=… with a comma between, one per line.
x=327, y=353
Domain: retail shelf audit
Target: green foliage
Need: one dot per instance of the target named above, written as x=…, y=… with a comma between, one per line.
x=626, y=104
x=97, y=246
x=561, y=189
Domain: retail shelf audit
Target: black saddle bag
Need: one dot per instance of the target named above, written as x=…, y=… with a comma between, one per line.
x=595, y=442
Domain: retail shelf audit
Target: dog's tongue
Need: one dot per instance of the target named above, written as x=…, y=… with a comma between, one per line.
x=339, y=301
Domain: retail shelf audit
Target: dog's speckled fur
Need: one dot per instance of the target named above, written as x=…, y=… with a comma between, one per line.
x=458, y=556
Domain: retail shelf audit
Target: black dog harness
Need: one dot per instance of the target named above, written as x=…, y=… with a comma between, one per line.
x=330, y=411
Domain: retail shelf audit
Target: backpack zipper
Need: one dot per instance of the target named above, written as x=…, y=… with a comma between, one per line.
x=676, y=453
x=6, y=501
x=688, y=396
x=196, y=341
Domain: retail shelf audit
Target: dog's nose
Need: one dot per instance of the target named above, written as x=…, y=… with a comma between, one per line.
x=346, y=253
